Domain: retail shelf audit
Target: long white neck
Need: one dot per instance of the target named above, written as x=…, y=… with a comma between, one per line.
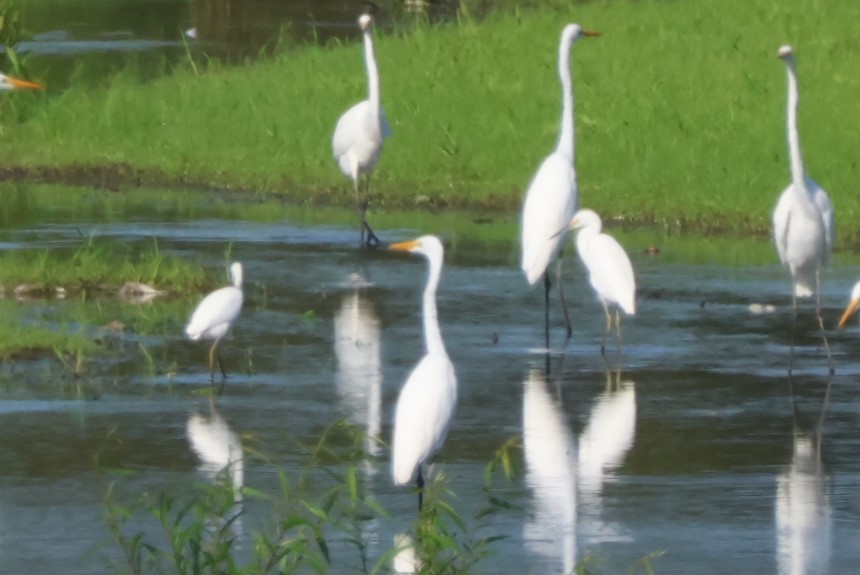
x=798, y=175
x=372, y=72
x=565, y=139
x=432, y=333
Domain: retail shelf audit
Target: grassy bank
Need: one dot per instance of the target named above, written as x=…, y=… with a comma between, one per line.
x=680, y=114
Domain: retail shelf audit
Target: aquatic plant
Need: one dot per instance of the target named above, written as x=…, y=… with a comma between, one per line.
x=198, y=527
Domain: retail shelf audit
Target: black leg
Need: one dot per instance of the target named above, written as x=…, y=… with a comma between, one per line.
x=561, y=297
x=821, y=323
x=420, y=483
x=546, y=287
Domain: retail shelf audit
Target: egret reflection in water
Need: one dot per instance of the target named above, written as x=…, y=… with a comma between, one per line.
x=220, y=453
x=551, y=462
x=802, y=512
x=604, y=443
x=357, y=347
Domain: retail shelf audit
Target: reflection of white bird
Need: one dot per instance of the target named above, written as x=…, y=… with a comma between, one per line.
x=218, y=448
x=358, y=136
x=10, y=83
x=802, y=513
x=609, y=269
x=405, y=562
x=551, y=461
x=609, y=433
x=552, y=195
x=359, y=367
x=215, y=314
x=428, y=398
x=803, y=226
x=852, y=306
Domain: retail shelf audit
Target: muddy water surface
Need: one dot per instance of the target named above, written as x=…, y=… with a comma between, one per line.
x=700, y=448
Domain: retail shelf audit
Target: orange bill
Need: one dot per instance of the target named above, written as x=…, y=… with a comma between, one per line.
x=591, y=33
x=404, y=246
x=849, y=311
x=24, y=84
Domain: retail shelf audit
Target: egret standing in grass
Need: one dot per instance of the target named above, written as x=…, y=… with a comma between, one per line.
x=552, y=196
x=803, y=226
x=429, y=397
x=357, y=141
x=609, y=270
x=215, y=315
x=9, y=83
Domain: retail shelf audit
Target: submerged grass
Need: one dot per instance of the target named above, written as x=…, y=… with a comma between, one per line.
x=680, y=114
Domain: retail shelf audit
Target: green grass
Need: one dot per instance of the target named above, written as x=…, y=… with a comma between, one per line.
x=22, y=337
x=98, y=266
x=680, y=114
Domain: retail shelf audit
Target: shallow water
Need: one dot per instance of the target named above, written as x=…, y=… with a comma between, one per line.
x=700, y=448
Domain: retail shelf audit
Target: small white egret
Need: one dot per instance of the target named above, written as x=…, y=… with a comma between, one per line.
x=803, y=226
x=853, y=305
x=552, y=196
x=214, y=316
x=357, y=141
x=10, y=83
x=609, y=269
x=429, y=397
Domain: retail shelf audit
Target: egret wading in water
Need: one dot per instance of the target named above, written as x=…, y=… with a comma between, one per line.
x=9, y=83
x=429, y=396
x=357, y=141
x=852, y=307
x=803, y=226
x=552, y=196
x=214, y=316
x=609, y=270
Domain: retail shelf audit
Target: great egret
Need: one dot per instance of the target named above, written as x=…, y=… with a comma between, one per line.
x=429, y=397
x=214, y=316
x=803, y=226
x=853, y=305
x=10, y=83
x=358, y=136
x=609, y=269
x=552, y=196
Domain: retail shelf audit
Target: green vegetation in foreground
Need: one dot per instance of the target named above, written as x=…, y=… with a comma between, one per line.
x=319, y=520
x=97, y=266
x=680, y=114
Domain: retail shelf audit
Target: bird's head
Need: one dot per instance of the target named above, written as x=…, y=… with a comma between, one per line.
x=785, y=52
x=429, y=246
x=574, y=32
x=10, y=83
x=364, y=22
x=853, y=305
x=582, y=219
x=236, y=274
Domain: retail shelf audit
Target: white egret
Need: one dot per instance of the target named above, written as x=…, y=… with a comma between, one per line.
x=10, y=83
x=852, y=307
x=552, y=196
x=357, y=141
x=214, y=316
x=609, y=269
x=429, y=397
x=803, y=226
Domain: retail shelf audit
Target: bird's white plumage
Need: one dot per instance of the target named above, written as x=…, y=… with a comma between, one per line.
x=216, y=313
x=803, y=221
x=552, y=195
x=359, y=133
x=429, y=397
x=550, y=202
x=609, y=269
